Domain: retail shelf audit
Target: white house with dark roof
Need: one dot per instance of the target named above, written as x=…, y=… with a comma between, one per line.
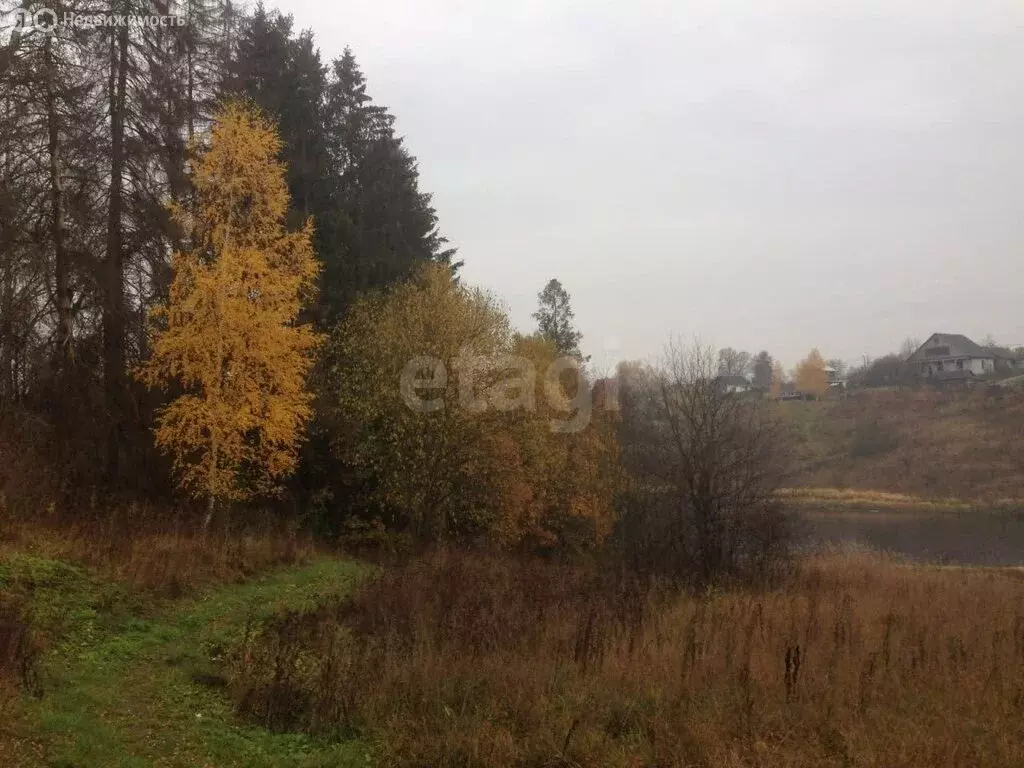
x=946, y=356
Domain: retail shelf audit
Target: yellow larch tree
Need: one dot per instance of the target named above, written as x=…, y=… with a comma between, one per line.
x=572, y=474
x=811, y=377
x=228, y=335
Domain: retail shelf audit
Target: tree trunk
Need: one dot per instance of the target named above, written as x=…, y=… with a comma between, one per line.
x=61, y=268
x=7, y=340
x=191, y=106
x=113, y=277
x=210, y=504
x=8, y=384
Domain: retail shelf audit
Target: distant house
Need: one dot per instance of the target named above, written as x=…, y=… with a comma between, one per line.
x=1008, y=360
x=951, y=353
x=835, y=379
x=734, y=384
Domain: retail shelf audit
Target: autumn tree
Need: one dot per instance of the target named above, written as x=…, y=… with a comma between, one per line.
x=811, y=377
x=400, y=422
x=555, y=317
x=94, y=140
x=456, y=427
x=227, y=334
x=567, y=451
x=351, y=170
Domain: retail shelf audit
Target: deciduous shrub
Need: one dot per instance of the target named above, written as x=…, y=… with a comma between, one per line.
x=702, y=467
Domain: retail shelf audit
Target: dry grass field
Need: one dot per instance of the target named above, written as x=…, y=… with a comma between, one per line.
x=471, y=660
x=966, y=446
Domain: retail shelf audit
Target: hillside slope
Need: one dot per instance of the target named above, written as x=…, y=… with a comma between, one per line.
x=967, y=445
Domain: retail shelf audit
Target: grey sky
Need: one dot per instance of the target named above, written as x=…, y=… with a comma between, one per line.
x=775, y=175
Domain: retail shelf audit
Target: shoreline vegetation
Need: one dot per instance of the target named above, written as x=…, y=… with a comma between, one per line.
x=825, y=501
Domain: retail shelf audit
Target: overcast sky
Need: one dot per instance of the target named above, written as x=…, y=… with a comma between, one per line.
x=774, y=175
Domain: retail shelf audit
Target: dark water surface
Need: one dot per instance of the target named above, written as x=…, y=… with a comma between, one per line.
x=966, y=538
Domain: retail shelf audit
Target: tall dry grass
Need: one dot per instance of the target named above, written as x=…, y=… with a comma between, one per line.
x=473, y=660
x=20, y=644
x=21, y=647
x=158, y=549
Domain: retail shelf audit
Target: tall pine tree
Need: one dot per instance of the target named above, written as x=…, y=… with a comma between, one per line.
x=347, y=166
x=386, y=226
x=554, y=318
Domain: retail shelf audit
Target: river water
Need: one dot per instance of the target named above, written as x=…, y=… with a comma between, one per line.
x=967, y=538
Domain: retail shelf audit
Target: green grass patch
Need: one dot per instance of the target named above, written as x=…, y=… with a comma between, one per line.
x=138, y=684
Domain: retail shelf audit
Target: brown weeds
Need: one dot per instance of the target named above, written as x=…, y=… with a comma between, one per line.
x=20, y=644
x=157, y=550
x=477, y=660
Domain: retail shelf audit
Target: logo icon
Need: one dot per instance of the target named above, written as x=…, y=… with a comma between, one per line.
x=43, y=20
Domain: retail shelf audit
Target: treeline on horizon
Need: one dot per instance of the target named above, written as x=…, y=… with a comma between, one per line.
x=216, y=264
x=95, y=132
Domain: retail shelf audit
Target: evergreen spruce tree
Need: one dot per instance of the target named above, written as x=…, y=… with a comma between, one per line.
x=381, y=226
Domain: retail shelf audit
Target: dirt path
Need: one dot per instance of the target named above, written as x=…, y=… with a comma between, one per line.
x=144, y=691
